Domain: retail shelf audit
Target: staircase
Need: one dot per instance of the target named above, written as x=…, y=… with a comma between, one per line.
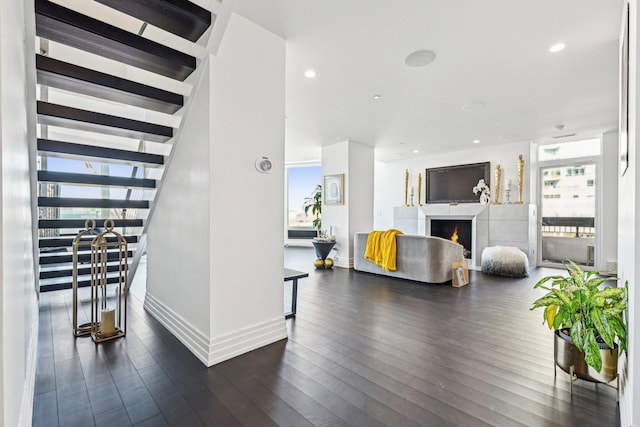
x=104, y=137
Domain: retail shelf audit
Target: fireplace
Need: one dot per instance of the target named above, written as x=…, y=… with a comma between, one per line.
x=457, y=230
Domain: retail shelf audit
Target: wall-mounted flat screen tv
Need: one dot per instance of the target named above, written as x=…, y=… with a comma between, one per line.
x=454, y=184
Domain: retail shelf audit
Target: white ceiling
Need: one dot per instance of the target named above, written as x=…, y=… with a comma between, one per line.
x=493, y=78
x=492, y=57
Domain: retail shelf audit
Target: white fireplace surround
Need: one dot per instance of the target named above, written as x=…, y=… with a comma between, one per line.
x=476, y=213
x=491, y=225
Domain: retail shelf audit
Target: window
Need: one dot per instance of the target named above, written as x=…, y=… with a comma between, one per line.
x=301, y=181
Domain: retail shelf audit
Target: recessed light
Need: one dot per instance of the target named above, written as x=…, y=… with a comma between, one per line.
x=416, y=151
x=476, y=141
x=420, y=58
x=557, y=47
x=376, y=97
x=310, y=74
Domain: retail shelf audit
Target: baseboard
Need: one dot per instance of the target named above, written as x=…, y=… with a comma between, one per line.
x=216, y=349
x=196, y=341
x=26, y=408
x=244, y=340
x=343, y=262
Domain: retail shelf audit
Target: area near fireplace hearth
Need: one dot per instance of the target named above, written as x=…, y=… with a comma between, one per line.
x=478, y=226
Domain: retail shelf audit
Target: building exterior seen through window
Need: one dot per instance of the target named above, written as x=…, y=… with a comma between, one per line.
x=568, y=201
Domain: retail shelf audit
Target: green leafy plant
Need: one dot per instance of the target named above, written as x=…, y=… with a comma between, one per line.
x=314, y=203
x=592, y=312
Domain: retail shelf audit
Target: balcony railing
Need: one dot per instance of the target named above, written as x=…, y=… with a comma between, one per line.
x=565, y=238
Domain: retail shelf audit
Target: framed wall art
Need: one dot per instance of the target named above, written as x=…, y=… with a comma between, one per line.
x=334, y=189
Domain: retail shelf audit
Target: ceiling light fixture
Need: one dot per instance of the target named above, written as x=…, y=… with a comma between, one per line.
x=310, y=74
x=420, y=58
x=557, y=47
x=376, y=97
x=416, y=151
x=476, y=141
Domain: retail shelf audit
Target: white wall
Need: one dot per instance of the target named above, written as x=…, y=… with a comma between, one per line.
x=177, y=244
x=18, y=306
x=390, y=176
x=215, y=241
x=609, y=201
x=628, y=242
x=361, y=172
x=356, y=162
x=247, y=256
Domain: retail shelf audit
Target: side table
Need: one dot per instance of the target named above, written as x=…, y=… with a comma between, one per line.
x=323, y=248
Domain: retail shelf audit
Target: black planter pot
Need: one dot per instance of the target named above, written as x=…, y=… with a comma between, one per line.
x=571, y=360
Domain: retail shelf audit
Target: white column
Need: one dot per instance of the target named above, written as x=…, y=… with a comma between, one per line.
x=215, y=266
x=356, y=162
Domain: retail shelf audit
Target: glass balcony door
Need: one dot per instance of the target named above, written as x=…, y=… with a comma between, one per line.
x=568, y=213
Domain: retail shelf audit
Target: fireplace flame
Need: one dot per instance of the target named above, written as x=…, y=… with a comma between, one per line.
x=454, y=235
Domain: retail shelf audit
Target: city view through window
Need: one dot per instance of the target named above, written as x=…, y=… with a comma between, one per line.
x=568, y=202
x=301, y=182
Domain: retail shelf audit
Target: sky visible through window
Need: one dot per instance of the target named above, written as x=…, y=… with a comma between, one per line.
x=301, y=181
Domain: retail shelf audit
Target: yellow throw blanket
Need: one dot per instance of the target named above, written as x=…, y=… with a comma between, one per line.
x=381, y=248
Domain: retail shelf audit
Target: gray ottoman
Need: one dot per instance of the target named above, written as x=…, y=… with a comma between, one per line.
x=505, y=261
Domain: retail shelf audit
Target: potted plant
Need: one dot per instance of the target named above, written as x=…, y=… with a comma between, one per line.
x=588, y=319
x=314, y=203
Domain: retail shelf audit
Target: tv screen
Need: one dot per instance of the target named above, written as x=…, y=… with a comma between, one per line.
x=455, y=183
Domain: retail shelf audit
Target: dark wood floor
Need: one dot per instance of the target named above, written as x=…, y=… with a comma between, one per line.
x=363, y=350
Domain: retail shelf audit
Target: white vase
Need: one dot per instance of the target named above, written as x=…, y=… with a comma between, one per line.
x=485, y=199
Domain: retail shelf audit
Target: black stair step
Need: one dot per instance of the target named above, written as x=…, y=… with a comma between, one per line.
x=79, y=223
x=69, y=284
x=68, y=272
x=66, y=26
x=62, y=75
x=90, y=152
x=67, y=242
x=78, y=202
x=82, y=257
x=74, y=118
x=101, y=180
x=180, y=17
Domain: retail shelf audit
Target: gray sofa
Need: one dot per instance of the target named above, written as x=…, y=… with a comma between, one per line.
x=421, y=258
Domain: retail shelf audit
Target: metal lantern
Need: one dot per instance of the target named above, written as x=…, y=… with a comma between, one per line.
x=81, y=243
x=109, y=269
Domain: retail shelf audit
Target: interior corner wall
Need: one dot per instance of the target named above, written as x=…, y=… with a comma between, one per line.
x=18, y=303
x=390, y=176
x=246, y=222
x=628, y=248
x=178, y=235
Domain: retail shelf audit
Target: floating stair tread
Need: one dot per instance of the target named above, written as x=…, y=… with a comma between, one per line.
x=78, y=202
x=180, y=17
x=59, y=285
x=82, y=257
x=62, y=75
x=100, y=180
x=67, y=271
x=67, y=242
x=68, y=149
x=75, y=118
x=66, y=26
x=79, y=223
